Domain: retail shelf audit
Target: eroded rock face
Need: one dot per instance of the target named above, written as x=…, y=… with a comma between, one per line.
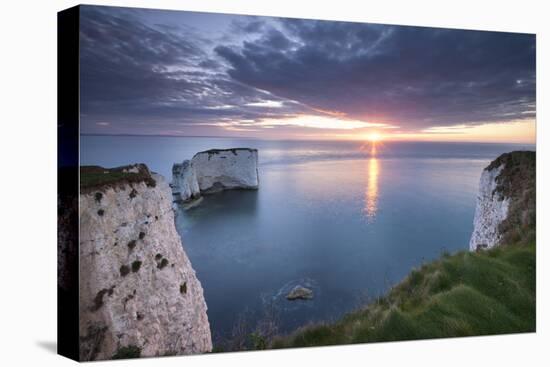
x=185, y=186
x=138, y=290
x=67, y=242
x=491, y=211
x=213, y=171
x=221, y=169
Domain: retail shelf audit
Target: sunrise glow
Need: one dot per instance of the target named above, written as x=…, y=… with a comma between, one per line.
x=374, y=137
x=319, y=122
x=260, y=83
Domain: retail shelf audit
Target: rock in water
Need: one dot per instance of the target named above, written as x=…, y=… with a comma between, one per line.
x=213, y=171
x=299, y=292
x=221, y=169
x=505, y=209
x=184, y=185
x=138, y=290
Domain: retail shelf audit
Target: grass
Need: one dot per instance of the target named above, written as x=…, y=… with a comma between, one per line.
x=98, y=178
x=466, y=294
x=218, y=151
x=517, y=181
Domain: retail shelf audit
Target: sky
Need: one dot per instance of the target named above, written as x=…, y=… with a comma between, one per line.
x=158, y=72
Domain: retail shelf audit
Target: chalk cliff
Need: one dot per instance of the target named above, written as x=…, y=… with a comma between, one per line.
x=139, y=295
x=505, y=209
x=215, y=170
x=184, y=185
x=491, y=210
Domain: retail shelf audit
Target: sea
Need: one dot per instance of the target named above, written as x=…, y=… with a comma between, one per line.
x=347, y=219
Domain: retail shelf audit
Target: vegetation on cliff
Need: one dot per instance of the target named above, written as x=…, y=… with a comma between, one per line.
x=483, y=293
x=218, y=151
x=517, y=181
x=97, y=178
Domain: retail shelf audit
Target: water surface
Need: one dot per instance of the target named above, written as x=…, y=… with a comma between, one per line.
x=344, y=219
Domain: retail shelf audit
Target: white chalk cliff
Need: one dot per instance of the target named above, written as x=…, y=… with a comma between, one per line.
x=184, y=182
x=491, y=210
x=138, y=290
x=215, y=170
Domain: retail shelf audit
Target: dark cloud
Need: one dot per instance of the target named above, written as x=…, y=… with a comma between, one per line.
x=146, y=77
x=410, y=76
x=248, y=25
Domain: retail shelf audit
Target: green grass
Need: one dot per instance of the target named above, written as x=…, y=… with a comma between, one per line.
x=517, y=182
x=98, y=178
x=485, y=293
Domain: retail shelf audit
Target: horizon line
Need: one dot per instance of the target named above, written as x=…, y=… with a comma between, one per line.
x=306, y=139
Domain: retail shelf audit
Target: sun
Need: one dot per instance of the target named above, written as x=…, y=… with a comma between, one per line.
x=374, y=137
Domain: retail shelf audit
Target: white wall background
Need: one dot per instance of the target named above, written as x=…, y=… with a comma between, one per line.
x=28, y=186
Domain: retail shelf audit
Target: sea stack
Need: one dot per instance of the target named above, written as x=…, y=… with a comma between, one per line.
x=140, y=295
x=215, y=170
x=185, y=186
x=505, y=210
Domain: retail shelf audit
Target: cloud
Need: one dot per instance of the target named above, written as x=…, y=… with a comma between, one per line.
x=144, y=74
x=267, y=104
x=144, y=78
x=248, y=25
x=409, y=76
x=320, y=122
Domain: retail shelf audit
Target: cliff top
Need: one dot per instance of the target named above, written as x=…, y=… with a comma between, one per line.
x=232, y=150
x=100, y=178
x=517, y=181
x=519, y=170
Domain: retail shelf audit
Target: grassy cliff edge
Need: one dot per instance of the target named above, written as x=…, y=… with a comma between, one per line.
x=465, y=294
x=99, y=178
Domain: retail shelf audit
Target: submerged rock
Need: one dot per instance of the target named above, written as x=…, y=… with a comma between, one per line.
x=299, y=292
x=213, y=171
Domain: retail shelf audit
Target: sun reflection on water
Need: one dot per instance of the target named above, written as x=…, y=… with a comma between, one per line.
x=371, y=193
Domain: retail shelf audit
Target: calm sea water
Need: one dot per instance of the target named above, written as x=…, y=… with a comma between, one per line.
x=343, y=218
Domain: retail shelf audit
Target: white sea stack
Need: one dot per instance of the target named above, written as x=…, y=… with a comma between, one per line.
x=213, y=171
x=222, y=169
x=491, y=210
x=138, y=289
x=185, y=186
